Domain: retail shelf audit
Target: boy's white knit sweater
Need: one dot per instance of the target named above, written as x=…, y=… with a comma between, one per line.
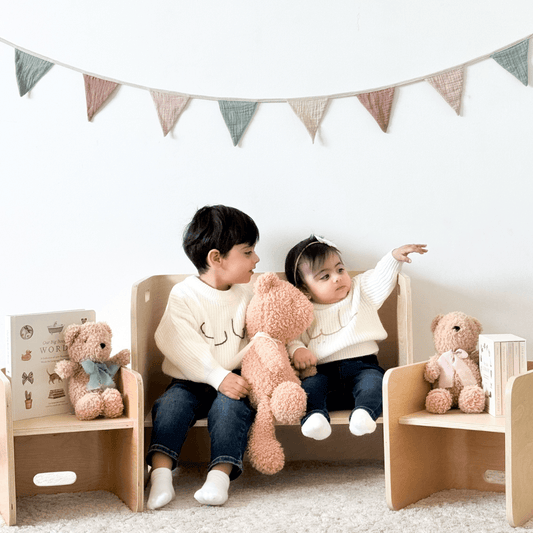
x=352, y=328
x=202, y=331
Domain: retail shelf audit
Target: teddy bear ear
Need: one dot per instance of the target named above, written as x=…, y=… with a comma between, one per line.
x=71, y=333
x=477, y=325
x=106, y=327
x=265, y=282
x=435, y=322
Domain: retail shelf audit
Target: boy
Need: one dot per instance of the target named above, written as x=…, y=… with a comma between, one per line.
x=201, y=334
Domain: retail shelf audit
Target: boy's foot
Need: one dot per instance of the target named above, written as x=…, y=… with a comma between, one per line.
x=361, y=423
x=214, y=490
x=162, y=489
x=316, y=427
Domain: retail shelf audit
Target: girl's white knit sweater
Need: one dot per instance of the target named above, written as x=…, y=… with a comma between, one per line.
x=352, y=328
x=202, y=331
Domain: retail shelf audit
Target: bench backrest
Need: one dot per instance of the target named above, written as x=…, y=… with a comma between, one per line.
x=149, y=300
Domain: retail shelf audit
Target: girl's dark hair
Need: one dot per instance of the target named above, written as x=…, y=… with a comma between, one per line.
x=311, y=251
x=217, y=227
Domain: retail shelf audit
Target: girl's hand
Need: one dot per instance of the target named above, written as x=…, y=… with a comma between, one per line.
x=402, y=253
x=304, y=358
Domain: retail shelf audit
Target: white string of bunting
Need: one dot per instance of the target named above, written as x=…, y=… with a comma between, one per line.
x=237, y=113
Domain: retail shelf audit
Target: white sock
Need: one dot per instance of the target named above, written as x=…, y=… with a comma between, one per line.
x=214, y=490
x=316, y=427
x=361, y=423
x=162, y=489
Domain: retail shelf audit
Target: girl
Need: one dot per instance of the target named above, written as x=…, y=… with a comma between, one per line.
x=343, y=339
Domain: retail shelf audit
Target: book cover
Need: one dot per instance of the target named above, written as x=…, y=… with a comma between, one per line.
x=35, y=344
x=491, y=374
x=497, y=364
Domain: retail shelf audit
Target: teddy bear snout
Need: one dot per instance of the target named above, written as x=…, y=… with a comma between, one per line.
x=102, y=345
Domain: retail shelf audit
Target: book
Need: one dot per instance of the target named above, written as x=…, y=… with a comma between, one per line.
x=501, y=356
x=35, y=344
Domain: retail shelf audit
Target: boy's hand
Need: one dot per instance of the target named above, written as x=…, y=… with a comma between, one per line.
x=402, y=253
x=304, y=358
x=234, y=387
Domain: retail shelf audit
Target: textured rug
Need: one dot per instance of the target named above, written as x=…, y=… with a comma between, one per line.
x=304, y=497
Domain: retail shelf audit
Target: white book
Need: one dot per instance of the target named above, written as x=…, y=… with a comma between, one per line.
x=491, y=374
x=497, y=352
x=35, y=344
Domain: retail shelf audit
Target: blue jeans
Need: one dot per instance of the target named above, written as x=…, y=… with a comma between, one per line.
x=182, y=404
x=347, y=384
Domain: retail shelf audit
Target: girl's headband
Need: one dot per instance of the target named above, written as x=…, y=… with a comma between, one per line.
x=319, y=240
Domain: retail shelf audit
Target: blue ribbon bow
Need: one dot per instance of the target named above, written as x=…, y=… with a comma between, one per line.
x=100, y=374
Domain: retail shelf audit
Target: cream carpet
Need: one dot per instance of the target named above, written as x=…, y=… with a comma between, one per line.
x=304, y=497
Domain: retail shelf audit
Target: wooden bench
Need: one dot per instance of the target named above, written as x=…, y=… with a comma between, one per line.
x=149, y=300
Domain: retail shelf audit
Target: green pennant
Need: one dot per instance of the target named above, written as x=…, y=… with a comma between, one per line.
x=237, y=116
x=30, y=70
x=514, y=60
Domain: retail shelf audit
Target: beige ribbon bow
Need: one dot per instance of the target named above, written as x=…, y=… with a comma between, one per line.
x=452, y=362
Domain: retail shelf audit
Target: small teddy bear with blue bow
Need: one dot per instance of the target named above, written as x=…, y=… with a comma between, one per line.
x=91, y=371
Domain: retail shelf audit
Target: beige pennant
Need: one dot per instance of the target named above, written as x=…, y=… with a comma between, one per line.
x=310, y=112
x=450, y=86
x=97, y=92
x=169, y=108
x=379, y=105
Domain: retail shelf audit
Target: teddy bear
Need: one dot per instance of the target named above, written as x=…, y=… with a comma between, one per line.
x=454, y=369
x=277, y=314
x=91, y=387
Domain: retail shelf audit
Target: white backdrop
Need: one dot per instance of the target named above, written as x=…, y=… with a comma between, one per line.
x=89, y=208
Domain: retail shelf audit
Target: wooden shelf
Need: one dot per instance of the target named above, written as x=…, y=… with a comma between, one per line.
x=455, y=419
x=67, y=423
x=337, y=417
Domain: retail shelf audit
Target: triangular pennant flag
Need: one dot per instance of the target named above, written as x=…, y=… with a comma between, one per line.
x=450, y=87
x=379, y=104
x=97, y=91
x=310, y=112
x=30, y=70
x=237, y=115
x=514, y=59
x=169, y=108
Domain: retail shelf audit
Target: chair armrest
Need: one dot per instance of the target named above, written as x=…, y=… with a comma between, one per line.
x=404, y=391
x=129, y=383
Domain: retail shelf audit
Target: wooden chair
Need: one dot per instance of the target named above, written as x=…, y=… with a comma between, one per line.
x=427, y=453
x=149, y=300
x=103, y=454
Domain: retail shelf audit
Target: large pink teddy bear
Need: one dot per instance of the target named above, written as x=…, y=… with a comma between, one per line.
x=454, y=370
x=277, y=314
x=91, y=369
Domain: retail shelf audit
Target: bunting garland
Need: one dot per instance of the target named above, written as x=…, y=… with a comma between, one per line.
x=30, y=70
x=97, y=92
x=238, y=113
x=450, y=87
x=169, y=108
x=310, y=112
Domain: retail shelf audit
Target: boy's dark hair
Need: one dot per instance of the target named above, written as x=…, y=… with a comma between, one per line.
x=311, y=251
x=217, y=227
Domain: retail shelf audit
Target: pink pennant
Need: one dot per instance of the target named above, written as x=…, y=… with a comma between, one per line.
x=379, y=104
x=97, y=91
x=169, y=108
x=310, y=112
x=450, y=87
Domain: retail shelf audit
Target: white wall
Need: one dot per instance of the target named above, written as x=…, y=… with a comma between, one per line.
x=89, y=208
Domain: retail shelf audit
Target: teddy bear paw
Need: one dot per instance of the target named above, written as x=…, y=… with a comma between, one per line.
x=113, y=405
x=472, y=400
x=288, y=403
x=89, y=406
x=438, y=401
